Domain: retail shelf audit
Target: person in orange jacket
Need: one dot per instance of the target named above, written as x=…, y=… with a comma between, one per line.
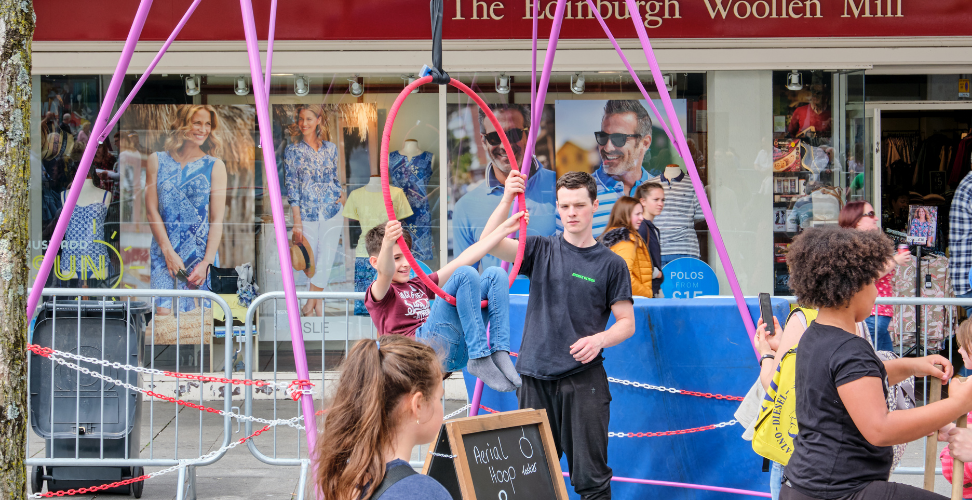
x=622, y=237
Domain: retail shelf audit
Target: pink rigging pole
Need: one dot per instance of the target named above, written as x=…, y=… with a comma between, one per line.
x=89, y=151
x=682, y=146
x=536, y=107
x=537, y=97
x=279, y=221
x=148, y=72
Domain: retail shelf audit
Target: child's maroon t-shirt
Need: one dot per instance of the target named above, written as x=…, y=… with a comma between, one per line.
x=403, y=309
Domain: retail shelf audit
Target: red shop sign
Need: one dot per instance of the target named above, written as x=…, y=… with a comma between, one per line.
x=510, y=19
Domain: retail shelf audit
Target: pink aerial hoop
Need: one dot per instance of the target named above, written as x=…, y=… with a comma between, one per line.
x=386, y=191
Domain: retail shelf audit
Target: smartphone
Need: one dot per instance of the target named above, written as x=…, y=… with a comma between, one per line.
x=766, y=311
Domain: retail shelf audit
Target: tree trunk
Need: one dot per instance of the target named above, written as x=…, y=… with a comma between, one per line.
x=16, y=31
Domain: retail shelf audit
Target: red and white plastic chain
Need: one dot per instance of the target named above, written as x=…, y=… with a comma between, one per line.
x=56, y=357
x=297, y=386
x=673, y=390
x=671, y=433
x=183, y=463
x=666, y=389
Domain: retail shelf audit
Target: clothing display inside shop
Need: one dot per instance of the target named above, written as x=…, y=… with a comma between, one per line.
x=82, y=255
x=367, y=206
x=677, y=220
x=410, y=169
x=804, y=195
x=924, y=156
x=939, y=322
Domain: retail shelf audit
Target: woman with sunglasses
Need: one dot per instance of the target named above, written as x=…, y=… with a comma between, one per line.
x=860, y=215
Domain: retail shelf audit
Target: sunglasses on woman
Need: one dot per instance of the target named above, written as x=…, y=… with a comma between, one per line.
x=618, y=140
x=512, y=134
x=870, y=214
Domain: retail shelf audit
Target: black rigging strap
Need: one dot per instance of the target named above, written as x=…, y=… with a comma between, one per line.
x=439, y=76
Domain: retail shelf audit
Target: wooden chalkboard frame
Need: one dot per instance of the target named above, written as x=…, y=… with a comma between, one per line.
x=455, y=429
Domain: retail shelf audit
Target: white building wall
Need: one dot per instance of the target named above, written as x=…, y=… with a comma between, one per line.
x=740, y=173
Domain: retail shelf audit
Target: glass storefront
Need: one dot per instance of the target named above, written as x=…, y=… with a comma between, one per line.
x=819, y=161
x=778, y=152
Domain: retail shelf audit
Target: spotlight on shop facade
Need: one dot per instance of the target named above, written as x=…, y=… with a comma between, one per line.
x=410, y=79
x=240, y=87
x=301, y=85
x=794, y=81
x=356, y=89
x=669, y=80
x=503, y=87
x=577, y=83
x=192, y=85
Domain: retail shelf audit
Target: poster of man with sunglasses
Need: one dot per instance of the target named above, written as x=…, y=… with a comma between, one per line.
x=475, y=206
x=621, y=138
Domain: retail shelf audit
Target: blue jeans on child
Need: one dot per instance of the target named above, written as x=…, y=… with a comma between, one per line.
x=458, y=333
x=880, y=335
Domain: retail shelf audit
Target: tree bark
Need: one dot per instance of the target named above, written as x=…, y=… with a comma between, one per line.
x=16, y=31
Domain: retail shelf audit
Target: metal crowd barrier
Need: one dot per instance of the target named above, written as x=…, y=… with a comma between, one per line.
x=924, y=302
x=273, y=302
x=68, y=307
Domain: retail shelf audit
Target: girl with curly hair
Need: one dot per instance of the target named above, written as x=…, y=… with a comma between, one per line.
x=386, y=403
x=844, y=445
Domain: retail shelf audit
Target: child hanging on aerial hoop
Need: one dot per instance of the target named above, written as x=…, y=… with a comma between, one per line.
x=402, y=305
x=386, y=403
x=843, y=448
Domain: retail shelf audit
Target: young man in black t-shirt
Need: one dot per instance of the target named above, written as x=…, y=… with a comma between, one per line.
x=575, y=285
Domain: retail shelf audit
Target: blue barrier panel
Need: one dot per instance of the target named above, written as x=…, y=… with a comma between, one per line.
x=697, y=345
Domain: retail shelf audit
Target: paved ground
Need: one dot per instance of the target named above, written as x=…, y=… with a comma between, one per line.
x=240, y=475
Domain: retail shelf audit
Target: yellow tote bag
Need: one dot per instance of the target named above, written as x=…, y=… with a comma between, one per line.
x=776, y=426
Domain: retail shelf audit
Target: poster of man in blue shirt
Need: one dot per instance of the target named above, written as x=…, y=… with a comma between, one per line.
x=622, y=142
x=474, y=208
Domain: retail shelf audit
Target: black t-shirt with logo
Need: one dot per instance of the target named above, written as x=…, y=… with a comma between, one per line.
x=831, y=457
x=572, y=290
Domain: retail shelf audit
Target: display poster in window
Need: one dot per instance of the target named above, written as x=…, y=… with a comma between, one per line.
x=185, y=177
x=621, y=144
x=922, y=225
x=478, y=166
x=327, y=163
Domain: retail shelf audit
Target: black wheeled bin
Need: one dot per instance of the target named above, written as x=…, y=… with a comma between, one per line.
x=91, y=418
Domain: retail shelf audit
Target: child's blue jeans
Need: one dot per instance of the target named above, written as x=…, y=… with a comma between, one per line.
x=458, y=333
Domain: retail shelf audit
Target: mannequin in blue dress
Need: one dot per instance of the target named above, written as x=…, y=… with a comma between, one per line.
x=84, y=252
x=410, y=169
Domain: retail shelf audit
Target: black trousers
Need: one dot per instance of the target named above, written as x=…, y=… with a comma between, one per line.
x=875, y=490
x=579, y=409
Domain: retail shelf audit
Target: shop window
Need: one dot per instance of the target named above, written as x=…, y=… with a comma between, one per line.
x=819, y=160
x=566, y=142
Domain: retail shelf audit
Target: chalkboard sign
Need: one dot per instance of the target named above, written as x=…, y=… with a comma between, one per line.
x=503, y=456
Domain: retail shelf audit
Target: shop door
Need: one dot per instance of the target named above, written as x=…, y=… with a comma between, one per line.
x=912, y=153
